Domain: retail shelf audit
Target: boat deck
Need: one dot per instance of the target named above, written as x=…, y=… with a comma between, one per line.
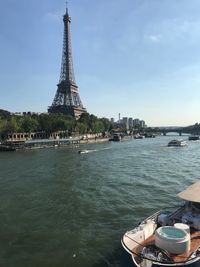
x=195, y=243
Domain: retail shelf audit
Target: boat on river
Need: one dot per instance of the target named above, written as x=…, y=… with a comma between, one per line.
x=120, y=137
x=177, y=142
x=168, y=238
x=193, y=137
x=116, y=137
x=83, y=151
x=139, y=136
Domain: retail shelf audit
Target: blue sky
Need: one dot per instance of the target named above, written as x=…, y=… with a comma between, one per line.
x=139, y=58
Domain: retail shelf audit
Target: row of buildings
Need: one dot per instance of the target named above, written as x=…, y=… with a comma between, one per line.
x=129, y=123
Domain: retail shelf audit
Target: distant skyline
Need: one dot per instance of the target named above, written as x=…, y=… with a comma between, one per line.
x=139, y=58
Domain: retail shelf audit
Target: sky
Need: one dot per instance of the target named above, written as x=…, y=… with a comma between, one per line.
x=139, y=58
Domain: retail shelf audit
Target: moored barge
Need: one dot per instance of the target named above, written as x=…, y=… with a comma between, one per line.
x=37, y=143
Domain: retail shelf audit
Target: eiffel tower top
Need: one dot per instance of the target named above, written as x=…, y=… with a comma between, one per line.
x=66, y=7
x=67, y=70
x=66, y=16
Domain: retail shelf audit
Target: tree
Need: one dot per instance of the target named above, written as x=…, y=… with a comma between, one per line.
x=85, y=119
x=11, y=125
x=93, y=123
x=49, y=123
x=29, y=124
x=45, y=123
x=4, y=114
x=108, y=125
x=81, y=127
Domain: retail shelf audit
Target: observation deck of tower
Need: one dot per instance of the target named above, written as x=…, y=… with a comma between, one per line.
x=67, y=99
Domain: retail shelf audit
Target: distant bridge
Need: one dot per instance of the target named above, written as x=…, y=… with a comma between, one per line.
x=179, y=130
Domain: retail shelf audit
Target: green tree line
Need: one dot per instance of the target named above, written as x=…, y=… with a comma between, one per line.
x=49, y=123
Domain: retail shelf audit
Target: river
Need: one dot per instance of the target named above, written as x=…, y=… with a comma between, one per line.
x=63, y=209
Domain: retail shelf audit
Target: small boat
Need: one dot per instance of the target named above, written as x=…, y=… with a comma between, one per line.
x=83, y=151
x=117, y=137
x=177, y=142
x=120, y=137
x=139, y=136
x=168, y=238
x=193, y=137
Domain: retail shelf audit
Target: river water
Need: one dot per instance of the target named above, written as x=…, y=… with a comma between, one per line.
x=59, y=208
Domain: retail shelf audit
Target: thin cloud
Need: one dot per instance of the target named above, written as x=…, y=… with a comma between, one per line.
x=171, y=30
x=154, y=38
x=53, y=16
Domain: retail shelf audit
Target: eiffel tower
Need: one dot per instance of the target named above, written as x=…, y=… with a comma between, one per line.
x=67, y=99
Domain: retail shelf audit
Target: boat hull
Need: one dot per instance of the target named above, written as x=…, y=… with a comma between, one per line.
x=193, y=138
x=195, y=263
x=148, y=263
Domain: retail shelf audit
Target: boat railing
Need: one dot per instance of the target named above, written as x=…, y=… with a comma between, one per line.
x=177, y=214
x=152, y=217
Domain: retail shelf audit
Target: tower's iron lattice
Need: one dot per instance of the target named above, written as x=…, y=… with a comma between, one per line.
x=67, y=99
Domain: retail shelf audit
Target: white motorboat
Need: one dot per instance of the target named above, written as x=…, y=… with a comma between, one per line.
x=83, y=151
x=168, y=238
x=177, y=142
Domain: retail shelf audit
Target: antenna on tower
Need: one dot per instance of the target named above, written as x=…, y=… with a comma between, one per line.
x=66, y=7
